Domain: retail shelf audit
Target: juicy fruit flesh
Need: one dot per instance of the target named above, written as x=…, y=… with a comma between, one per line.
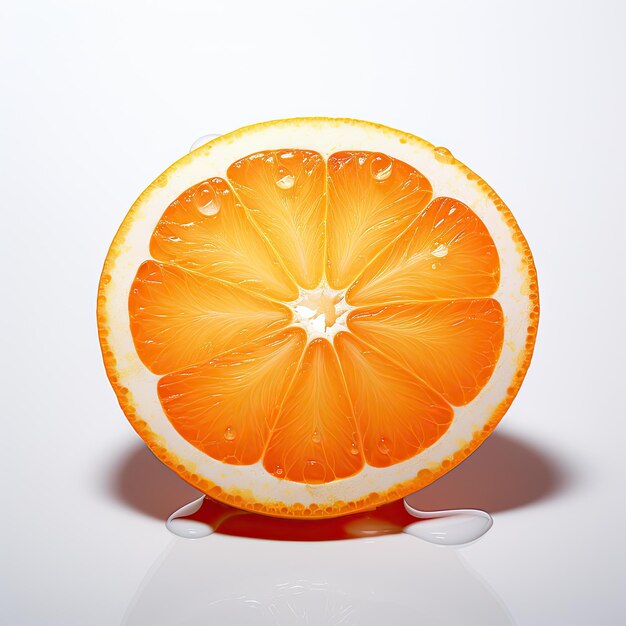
x=317, y=315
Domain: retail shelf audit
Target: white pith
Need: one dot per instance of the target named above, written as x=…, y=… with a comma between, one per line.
x=310, y=311
x=325, y=137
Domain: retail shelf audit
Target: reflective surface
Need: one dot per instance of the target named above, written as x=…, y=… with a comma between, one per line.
x=386, y=580
x=99, y=95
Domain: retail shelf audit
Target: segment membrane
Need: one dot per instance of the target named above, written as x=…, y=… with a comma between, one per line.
x=284, y=190
x=453, y=346
x=315, y=438
x=447, y=253
x=179, y=318
x=208, y=231
x=372, y=198
x=397, y=414
x=226, y=407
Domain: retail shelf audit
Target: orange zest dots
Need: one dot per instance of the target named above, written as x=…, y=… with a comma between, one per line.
x=317, y=316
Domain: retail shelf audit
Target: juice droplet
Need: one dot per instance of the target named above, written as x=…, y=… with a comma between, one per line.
x=381, y=167
x=230, y=434
x=443, y=155
x=314, y=472
x=383, y=448
x=434, y=266
x=205, y=200
x=278, y=471
x=180, y=524
x=440, y=251
x=316, y=437
x=286, y=182
x=354, y=450
x=202, y=140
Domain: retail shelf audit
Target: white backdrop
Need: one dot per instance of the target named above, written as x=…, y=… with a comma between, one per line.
x=98, y=98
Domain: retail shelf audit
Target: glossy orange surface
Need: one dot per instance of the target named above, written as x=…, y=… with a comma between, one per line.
x=317, y=315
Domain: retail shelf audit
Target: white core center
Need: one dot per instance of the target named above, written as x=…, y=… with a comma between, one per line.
x=321, y=312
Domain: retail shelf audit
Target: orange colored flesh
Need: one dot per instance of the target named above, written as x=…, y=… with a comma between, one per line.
x=446, y=253
x=398, y=414
x=179, y=318
x=240, y=381
x=453, y=345
x=315, y=439
x=284, y=192
x=372, y=199
x=226, y=407
x=207, y=230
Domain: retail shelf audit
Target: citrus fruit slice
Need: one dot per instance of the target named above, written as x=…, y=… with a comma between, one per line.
x=312, y=317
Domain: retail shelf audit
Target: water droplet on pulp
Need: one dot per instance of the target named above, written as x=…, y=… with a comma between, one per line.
x=206, y=200
x=286, y=182
x=381, y=167
x=440, y=251
x=383, y=448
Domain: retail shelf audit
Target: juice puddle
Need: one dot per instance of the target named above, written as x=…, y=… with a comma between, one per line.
x=455, y=527
x=204, y=516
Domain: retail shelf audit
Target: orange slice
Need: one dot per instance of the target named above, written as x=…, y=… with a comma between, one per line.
x=312, y=317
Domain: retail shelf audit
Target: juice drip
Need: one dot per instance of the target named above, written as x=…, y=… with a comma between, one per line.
x=455, y=527
x=200, y=518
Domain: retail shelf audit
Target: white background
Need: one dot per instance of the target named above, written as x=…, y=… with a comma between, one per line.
x=98, y=99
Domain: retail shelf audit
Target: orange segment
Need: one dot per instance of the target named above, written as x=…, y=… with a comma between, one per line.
x=208, y=231
x=315, y=438
x=446, y=253
x=372, y=198
x=179, y=318
x=397, y=414
x=284, y=192
x=227, y=406
x=453, y=346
